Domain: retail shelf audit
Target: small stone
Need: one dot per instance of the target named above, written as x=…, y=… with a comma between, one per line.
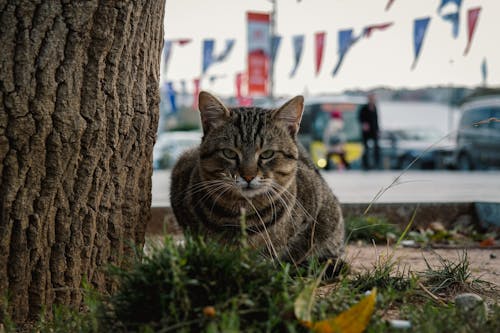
x=471, y=307
x=399, y=324
x=493, y=256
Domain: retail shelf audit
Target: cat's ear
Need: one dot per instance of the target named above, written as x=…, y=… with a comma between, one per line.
x=290, y=114
x=213, y=112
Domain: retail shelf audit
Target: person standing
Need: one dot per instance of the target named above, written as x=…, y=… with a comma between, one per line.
x=334, y=140
x=368, y=119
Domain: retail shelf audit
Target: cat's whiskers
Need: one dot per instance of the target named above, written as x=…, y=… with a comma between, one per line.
x=269, y=243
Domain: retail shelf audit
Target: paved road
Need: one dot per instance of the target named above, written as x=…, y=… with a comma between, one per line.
x=412, y=186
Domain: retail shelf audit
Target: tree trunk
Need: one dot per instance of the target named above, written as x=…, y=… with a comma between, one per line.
x=78, y=117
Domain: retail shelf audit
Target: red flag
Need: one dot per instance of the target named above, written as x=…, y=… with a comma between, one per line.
x=319, y=39
x=472, y=17
x=369, y=29
x=196, y=92
x=183, y=41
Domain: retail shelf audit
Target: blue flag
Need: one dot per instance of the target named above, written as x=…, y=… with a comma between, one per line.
x=484, y=71
x=346, y=40
x=227, y=50
x=298, y=45
x=454, y=19
x=208, y=54
x=445, y=2
x=419, y=29
x=275, y=44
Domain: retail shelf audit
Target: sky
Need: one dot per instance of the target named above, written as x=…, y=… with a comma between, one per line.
x=384, y=59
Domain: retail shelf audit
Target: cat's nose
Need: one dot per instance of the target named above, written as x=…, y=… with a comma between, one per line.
x=248, y=178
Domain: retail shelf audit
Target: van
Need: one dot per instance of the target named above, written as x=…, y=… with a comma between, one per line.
x=315, y=118
x=478, y=134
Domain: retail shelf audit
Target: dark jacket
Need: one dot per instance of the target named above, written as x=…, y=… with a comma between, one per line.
x=370, y=117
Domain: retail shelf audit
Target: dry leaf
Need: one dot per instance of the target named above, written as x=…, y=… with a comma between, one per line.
x=353, y=320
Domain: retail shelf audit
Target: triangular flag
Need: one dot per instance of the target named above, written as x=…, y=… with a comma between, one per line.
x=484, y=71
x=183, y=41
x=389, y=4
x=345, y=40
x=419, y=29
x=227, y=50
x=454, y=19
x=319, y=40
x=275, y=45
x=298, y=45
x=472, y=17
x=369, y=29
x=445, y=2
x=167, y=50
x=208, y=54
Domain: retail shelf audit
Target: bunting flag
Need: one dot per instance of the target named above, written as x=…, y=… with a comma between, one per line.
x=484, y=71
x=275, y=45
x=208, y=54
x=389, y=4
x=346, y=40
x=319, y=41
x=298, y=45
x=181, y=41
x=171, y=96
x=472, y=17
x=196, y=92
x=167, y=50
x=367, y=31
x=419, y=29
x=227, y=49
x=445, y=2
x=454, y=18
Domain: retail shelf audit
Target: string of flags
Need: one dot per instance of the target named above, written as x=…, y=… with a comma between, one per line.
x=448, y=10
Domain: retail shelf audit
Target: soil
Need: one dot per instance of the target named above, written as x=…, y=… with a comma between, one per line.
x=484, y=263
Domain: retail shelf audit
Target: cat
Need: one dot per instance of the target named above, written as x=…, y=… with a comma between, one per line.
x=249, y=161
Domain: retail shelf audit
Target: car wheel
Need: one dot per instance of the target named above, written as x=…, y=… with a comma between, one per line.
x=464, y=162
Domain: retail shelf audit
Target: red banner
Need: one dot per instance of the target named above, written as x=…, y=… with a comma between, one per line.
x=196, y=92
x=258, y=53
x=319, y=39
x=472, y=17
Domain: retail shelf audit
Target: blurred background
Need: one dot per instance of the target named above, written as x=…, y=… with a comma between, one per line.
x=433, y=65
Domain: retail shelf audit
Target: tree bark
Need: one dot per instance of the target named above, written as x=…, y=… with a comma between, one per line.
x=78, y=117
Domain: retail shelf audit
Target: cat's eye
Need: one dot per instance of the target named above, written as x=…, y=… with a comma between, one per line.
x=267, y=154
x=231, y=154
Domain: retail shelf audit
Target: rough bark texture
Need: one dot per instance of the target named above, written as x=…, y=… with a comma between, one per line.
x=78, y=116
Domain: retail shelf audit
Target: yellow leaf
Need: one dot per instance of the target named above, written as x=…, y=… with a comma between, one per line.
x=353, y=320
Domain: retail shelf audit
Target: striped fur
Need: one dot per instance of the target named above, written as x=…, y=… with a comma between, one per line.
x=249, y=161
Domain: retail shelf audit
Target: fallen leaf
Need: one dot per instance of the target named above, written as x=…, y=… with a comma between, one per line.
x=353, y=320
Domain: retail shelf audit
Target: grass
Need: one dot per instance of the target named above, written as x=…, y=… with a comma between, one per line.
x=202, y=286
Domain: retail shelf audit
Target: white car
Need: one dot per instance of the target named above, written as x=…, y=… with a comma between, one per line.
x=170, y=145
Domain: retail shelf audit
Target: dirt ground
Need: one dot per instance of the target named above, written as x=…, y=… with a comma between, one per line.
x=484, y=263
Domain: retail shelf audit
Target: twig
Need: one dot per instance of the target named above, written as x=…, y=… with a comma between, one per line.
x=428, y=292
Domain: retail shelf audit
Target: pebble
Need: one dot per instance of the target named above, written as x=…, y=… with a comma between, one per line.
x=471, y=307
x=400, y=324
x=493, y=256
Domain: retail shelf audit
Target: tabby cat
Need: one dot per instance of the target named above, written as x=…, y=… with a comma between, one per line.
x=249, y=161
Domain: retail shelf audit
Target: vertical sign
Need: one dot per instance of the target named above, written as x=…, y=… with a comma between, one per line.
x=259, y=44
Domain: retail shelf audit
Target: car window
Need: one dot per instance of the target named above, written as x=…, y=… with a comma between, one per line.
x=473, y=116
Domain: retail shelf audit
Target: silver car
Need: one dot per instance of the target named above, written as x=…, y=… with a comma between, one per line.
x=478, y=135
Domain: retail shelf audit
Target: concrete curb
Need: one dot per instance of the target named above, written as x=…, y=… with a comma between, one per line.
x=484, y=214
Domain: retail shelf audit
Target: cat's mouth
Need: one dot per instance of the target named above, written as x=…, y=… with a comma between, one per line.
x=251, y=190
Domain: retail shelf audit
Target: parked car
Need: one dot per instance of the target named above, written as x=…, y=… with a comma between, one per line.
x=419, y=148
x=170, y=145
x=478, y=135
